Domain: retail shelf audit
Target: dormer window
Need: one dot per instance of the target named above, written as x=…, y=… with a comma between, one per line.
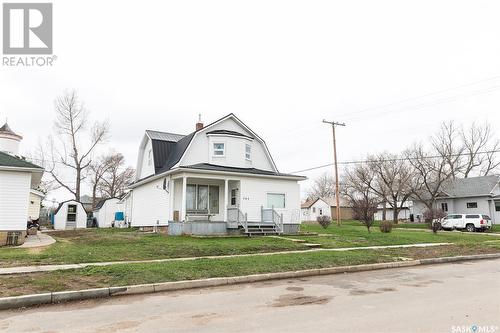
x=219, y=149
x=248, y=152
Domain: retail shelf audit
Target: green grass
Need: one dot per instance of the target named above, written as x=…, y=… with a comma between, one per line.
x=128, y=274
x=99, y=245
x=351, y=235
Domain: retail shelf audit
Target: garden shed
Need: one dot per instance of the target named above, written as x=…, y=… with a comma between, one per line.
x=70, y=215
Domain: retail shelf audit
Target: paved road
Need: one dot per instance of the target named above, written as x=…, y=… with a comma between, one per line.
x=438, y=298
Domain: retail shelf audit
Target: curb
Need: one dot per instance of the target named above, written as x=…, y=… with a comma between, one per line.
x=65, y=296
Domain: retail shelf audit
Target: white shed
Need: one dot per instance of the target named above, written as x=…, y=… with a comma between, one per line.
x=105, y=211
x=70, y=215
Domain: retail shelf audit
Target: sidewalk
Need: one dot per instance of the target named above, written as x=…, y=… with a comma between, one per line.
x=38, y=240
x=49, y=268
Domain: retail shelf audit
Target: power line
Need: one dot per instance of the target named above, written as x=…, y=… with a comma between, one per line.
x=422, y=96
x=393, y=160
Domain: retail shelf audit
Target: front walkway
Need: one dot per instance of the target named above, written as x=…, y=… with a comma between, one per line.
x=38, y=240
x=49, y=268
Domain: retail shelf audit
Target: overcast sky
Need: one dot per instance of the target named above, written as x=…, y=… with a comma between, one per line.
x=392, y=70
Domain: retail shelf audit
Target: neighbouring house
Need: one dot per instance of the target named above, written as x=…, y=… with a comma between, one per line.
x=403, y=215
x=219, y=179
x=17, y=178
x=105, y=211
x=35, y=204
x=86, y=201
x=473, y=195
x=70, y=215
x=314, y=208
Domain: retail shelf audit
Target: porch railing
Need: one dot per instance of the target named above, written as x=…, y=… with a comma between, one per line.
x=270, y=215
x=234, y=214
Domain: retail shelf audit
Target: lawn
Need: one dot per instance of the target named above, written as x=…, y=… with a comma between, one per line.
x=98, y=245
x=352, y=235
x=128, y=274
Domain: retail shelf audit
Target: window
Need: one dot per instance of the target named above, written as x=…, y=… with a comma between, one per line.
x=213, y=197
x=472, y=205
x=233, y=197
x=248, y=152
x=71, y=213
x=444, y=206
x=275, y=200
x=191, y=197
x=202, y=198
x=497, y=206
x=314, y=209
x=471, y=216
x=219, y=149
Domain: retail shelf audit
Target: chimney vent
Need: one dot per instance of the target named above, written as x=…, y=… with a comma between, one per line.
x=199, y=124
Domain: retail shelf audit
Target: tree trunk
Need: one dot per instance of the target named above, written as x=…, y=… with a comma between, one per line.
x=395, y=211
x=77, y=185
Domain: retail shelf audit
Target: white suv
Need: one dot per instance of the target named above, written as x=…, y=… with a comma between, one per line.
x=469, y=222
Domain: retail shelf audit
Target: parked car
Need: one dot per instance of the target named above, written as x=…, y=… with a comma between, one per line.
x=469, y=222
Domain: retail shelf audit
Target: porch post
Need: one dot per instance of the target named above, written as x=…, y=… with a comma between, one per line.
x=226, y=190
x=183, y=202
x=171, y=199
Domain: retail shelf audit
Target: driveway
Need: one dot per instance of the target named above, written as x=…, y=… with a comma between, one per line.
x=438, y=298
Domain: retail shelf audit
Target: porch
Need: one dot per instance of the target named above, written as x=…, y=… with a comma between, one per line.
x=217, y=205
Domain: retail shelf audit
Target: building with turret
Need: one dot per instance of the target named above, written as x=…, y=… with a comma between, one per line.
x=18, y=181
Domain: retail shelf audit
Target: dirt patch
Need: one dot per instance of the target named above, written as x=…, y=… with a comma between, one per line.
x=295, y=288
x=386, y=289
x=117, y=327
x=300, y=299
x=361, y=292
x=204, y=318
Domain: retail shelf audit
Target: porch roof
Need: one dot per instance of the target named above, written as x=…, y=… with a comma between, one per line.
x=254, y=171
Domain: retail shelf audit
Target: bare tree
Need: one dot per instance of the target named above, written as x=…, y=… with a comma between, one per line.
x=430, y=174
x=97, y=169
x=392, y=183
x=116, y=177
x=357, y=187
x=76, y=141
x=323, y=187
x=477, y=140
x=447, y=143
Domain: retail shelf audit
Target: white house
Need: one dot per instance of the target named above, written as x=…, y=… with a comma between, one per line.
x=70, y=215
x=474, y=195
x=105, y=211
x=17, y=178
x=314, y=208
x=404, y=213
x=217, y=179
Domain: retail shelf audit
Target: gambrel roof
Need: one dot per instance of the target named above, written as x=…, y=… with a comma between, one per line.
x=169, y=148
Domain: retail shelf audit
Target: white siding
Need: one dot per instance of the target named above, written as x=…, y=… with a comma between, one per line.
x=34, y=206
x=62, y=213
x=150, y=204
x=404, y=214
x=14, y=194
x=146, y=168
x=200, y=150
x=254, y=195
x=106, y=214
x=319, y=208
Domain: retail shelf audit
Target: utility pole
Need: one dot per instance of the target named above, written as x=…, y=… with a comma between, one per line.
x=337, y=195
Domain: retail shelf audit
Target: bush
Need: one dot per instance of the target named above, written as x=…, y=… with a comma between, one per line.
x=324, y=221
x=385, y=226
x=431, y=215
